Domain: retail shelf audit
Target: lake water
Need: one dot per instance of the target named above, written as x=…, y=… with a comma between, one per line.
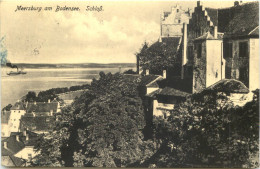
x=14, y=87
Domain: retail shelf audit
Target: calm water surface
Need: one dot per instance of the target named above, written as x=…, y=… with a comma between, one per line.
x=14, y=87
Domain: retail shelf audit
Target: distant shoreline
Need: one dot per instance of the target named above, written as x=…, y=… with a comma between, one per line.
x=74, y=65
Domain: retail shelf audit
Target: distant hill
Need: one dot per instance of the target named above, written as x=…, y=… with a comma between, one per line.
x=76, y=65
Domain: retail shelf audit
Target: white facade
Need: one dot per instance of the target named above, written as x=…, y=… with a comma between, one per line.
x=26, y=153
x=14, y=120
x=254, y=64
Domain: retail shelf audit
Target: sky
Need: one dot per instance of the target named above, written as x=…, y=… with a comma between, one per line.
x=113, y=35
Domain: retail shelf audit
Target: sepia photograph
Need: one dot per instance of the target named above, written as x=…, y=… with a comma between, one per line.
x=136, y=84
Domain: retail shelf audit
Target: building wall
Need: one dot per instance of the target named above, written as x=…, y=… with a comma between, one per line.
x=14, y=120
x=25, y=151
x=213, y=62
x=4, y=130
x=171, y=25
x=199, y=69
x=254, y=64
x=235, y=63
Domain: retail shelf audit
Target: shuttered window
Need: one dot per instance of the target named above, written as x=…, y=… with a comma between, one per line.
x=228, y=50
x=243, y=49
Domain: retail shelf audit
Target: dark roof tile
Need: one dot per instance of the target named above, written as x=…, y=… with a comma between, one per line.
x=168, y=91
x=18, y=106
x=42, y=107
x=229, y=86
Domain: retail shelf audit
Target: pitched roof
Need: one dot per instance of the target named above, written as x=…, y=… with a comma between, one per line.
x=18, y=106
x=12, y=161
x=42, y=107
x=37, y=123
x=213, y=14
x=145, y=80
x=5, y=116
x=171, y=44
x=154, y=93
x=168, y=91
x=209, y=36
x=239, y=20
x=228, y=85
x=14, y=146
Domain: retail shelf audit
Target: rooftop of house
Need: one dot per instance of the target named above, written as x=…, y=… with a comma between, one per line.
x=12, y=161
x=239, y=20
x=171, y=44
x=144, y=80
x=42, y=107
x=228, y=86
x=5, y=117
x=18, y=106
x=14, y=145
x=168, y=91
x=37, y=123
x=209, y=36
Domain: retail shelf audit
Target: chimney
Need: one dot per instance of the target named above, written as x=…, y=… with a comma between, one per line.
x=147, y=72
x=49, y=100
x=24, y=133
x=164, y=74
x=184, y=49
x=51, y=112
x=17, y=138
x=215, y=32
x=198, y=3
x=27, y=137
x=5, y=145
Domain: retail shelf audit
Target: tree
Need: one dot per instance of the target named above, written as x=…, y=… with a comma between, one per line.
x=30, y=96
x=207, y=130
x=160, y=56
x=103, y=127
x=111, y=136
x=7, y=108
x=3, y=51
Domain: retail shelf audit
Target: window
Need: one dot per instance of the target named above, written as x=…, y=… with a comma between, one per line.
x=18, y=111
x=228, y=72
x=228, y=50
x=177, y=10
x=243, y=49
x=244, y=76
x=190, y=52
x=29, y=156
x=199, y=50
x=179, y=21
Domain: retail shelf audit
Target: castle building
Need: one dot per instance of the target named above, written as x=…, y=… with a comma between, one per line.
x=170, y=34
x=222, y=43
x=171, y=22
